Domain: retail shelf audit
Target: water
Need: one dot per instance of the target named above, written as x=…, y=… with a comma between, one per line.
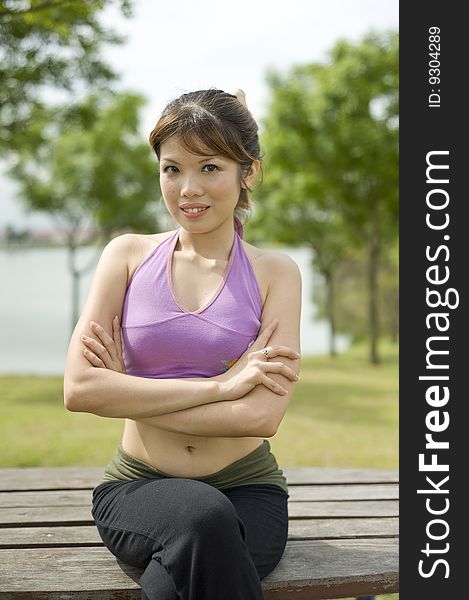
x=35, y=306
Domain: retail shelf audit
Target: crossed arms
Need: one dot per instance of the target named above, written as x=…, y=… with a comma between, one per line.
x=244, y=401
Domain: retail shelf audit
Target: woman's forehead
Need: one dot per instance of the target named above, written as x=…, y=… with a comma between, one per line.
x=191, y=149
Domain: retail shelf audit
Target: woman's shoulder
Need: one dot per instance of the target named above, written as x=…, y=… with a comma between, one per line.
x=269, y=265
x=268, y=259
x=133, y=248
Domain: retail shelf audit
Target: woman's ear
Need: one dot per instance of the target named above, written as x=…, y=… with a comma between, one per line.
x=249, y=176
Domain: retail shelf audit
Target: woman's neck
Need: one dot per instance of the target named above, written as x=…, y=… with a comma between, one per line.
x=215, y=244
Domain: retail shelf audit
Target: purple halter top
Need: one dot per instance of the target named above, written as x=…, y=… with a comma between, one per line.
x=162, y=339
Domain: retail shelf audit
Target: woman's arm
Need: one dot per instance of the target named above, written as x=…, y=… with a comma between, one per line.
x=109, y=392
x=260, y=411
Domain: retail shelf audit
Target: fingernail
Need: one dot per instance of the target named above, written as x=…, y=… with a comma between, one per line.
x=84, y=338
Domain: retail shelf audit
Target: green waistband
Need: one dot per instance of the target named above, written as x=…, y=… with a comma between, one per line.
x=259, y=466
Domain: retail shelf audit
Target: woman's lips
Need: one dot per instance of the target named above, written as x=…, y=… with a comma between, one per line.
x=195, y=214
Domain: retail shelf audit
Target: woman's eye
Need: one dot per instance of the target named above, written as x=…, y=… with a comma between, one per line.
x=210, y=168
x=170, y=169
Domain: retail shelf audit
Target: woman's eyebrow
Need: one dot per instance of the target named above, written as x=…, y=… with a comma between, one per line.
x=204, y=159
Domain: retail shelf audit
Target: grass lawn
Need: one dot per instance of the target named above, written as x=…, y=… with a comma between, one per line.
x=344, y=413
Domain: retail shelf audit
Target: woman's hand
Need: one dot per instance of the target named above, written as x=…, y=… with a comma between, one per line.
x=259, y=343
x=250, y=370
x=253, y=366
x=108, y=353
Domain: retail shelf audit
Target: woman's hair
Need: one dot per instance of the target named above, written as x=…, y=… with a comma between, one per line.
x=216, y=121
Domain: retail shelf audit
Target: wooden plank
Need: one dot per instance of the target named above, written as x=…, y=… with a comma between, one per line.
x=327, y=568
x=311, y=529
x=44, y=515
x=45, y=498
x=46, y=478
x=325, y=590
x=386, y=491
x=40, y=478
x=326, y=475
x=63, y=570
x=297, y=493
x=31, y=537
x=360, y=508
x=323, y=567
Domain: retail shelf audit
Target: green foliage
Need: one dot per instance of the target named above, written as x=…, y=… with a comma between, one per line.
x=90, y=167
x=53, y=44
x=350, y=314
x=331, y=159
x=330, y=140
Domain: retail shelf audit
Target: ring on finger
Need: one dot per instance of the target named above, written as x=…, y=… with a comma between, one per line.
x=265, y=352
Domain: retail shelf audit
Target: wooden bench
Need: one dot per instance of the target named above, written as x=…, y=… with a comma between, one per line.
x=343, y=537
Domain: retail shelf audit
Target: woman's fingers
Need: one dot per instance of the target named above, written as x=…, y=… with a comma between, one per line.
x=107, y=352
x=117, y=336
x=105, y=338
x=279, y=367
x=264, y=336
x=273, y=385
x=273, y=351
x=95, y=348
x=93, y=359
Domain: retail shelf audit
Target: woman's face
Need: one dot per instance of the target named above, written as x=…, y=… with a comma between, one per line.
x=199, y=191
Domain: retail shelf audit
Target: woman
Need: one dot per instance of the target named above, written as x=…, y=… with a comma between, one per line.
x=192, y=337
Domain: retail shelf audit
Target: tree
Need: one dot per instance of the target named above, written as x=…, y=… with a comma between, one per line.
x=331, y=145
x=48, y=45
x=352, y=299
x=92, y=173
x=294, y=218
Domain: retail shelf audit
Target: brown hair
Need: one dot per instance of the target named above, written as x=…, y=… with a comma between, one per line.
x=215, y=120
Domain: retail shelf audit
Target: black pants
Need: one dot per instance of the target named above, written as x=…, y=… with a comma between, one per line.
x=194, y=541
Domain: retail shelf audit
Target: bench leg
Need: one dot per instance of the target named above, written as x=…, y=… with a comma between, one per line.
x=366, y=598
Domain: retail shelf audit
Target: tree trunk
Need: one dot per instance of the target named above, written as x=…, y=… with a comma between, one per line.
x=75, y=300
x=373, y=258
x=77, y=273
x=395, y=332
x=330, y=310
x=395, y=322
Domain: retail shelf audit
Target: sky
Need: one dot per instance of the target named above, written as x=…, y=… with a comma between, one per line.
x=175, y=47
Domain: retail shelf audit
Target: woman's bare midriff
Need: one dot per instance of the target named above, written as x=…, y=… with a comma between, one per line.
x=183, y=455
x=179, y=454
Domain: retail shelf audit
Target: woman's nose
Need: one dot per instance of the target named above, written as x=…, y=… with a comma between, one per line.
x=190, y=187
